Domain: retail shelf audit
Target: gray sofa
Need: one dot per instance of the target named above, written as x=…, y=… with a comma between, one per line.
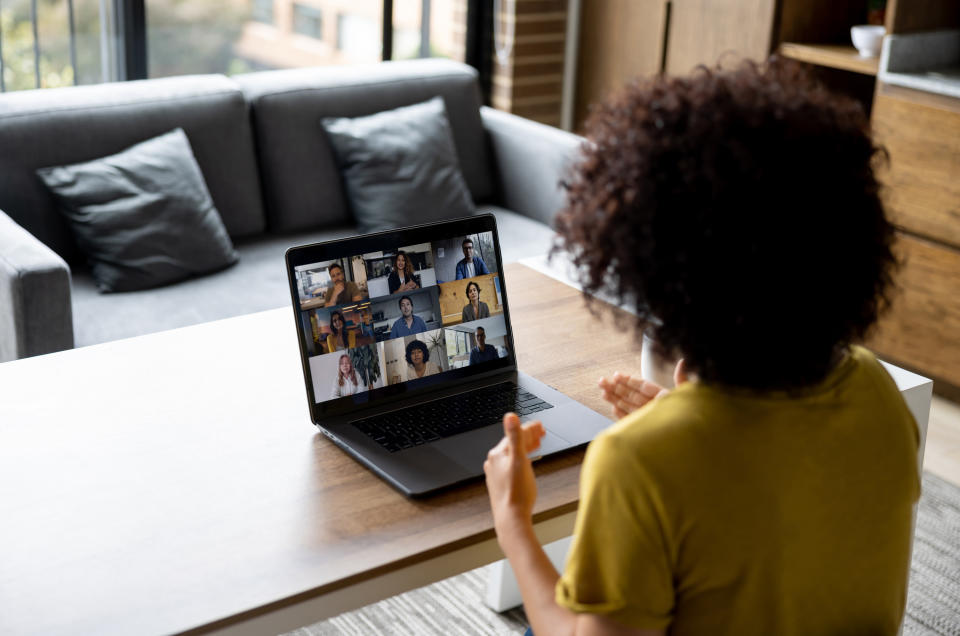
x=269, y=169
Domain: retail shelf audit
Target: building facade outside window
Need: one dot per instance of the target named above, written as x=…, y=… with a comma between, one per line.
x=308, y=21
x=262, y=11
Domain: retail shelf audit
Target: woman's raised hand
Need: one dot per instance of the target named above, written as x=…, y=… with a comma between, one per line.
x=627, y=393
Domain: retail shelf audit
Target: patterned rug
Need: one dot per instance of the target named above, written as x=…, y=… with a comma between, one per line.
x=455, y=606
x=933, y=600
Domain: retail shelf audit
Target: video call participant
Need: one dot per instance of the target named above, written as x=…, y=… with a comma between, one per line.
x=402, y=278
x=408, y=323
x=771, y=491
x=474, y=310
x=340, y=291
x=482, y=353
x=471, y=265
x=418, y=359
x=339, y=338
x=347, y=381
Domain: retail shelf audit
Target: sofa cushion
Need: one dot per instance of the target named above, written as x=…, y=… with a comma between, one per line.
x=143, y=216
x=256, y=283
x=302, y=185
x=399, y=166
x=57, y=126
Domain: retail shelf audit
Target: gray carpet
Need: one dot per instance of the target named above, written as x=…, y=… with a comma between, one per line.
x=455, y=606
x=933, y=600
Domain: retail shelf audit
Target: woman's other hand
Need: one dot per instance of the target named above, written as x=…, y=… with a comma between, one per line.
x=510, y=480
x=627, y=393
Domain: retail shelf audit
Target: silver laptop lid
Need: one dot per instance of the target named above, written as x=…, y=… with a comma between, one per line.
x=395, y=315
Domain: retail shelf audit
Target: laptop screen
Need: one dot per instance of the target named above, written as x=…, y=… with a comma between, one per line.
x=399, y=312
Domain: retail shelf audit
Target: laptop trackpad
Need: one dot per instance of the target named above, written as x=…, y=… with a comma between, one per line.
x=551, y=443
x=470, y=449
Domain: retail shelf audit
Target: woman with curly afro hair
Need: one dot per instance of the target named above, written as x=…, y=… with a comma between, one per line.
x=770, y=491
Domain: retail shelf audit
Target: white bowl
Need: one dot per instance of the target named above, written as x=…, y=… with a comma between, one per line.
x=867, y=38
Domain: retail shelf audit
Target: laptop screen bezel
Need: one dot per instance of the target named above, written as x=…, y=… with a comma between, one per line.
x=363, y=244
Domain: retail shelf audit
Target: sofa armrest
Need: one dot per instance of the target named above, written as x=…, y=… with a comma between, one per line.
x=35, y=312
x=531, y=159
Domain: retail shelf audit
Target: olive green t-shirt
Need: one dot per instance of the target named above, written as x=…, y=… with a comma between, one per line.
x=713, y=511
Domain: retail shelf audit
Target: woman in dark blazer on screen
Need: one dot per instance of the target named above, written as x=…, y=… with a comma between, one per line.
x=474, y=310
x=402, y=278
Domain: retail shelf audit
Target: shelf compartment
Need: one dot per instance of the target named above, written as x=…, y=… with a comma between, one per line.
x=838, y=56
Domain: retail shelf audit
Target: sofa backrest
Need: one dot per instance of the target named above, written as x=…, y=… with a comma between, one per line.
x=301, y=181
x=58, y=126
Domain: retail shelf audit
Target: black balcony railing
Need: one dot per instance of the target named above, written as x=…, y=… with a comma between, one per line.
x=38, y=46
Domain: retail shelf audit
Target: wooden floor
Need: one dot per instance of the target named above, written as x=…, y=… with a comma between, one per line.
x=942, y=455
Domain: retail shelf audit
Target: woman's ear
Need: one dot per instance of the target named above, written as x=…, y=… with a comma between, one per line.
x=680, y=373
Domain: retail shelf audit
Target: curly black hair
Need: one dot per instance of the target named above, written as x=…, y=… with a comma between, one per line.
x=738, y=211
x=417, y=344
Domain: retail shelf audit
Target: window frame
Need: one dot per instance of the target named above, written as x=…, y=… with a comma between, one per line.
x=304, y=12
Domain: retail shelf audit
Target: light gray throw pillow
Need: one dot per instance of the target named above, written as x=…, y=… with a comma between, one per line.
x=400, y=166
x=143, y=217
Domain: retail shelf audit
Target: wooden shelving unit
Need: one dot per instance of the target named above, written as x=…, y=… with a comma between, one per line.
x=837, y=56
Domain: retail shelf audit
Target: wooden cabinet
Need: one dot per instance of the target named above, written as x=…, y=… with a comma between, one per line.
x=620, y=39
x=703, y=31
x=922, y=330
x=921, y=132
x=623, y=39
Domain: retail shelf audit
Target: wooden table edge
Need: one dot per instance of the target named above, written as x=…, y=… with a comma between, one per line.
x=384, y=581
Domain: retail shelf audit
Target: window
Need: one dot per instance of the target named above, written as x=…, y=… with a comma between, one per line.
x=358, y=37
x=74, y=44
x=262, y=11
x=308, y=21
x=134, y=39
x=429, y=28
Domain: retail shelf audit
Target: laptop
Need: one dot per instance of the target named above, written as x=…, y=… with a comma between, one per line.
x=408, y=354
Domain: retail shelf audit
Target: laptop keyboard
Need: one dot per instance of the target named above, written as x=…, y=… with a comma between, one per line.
x=449, y=416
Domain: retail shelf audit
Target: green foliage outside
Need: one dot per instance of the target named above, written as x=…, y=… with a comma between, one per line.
x=183, y=37
x=18, y=50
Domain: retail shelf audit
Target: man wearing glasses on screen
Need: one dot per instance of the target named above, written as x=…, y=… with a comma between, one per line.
x=471, y=265
x=482, y=353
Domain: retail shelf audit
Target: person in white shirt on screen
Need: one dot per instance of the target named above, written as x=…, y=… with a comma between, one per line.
x=348, y=380
x=418, y=361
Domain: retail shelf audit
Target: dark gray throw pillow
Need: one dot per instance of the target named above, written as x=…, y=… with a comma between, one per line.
x=400, y=166
x=143, y=217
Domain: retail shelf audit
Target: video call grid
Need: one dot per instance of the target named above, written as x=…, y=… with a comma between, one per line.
x=384, y=298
